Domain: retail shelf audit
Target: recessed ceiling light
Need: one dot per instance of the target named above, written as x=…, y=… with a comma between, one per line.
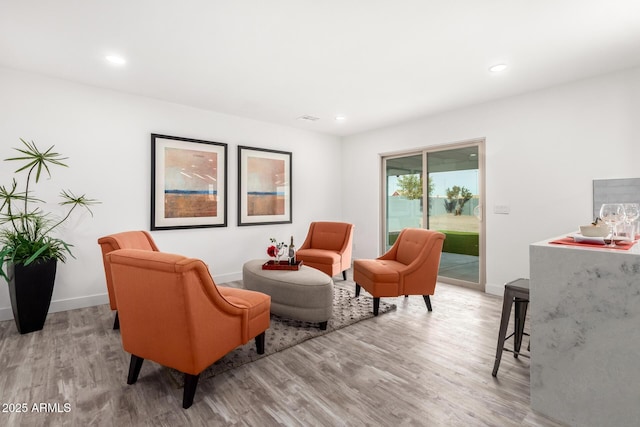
x=115, y=59
x=340, y=118
x=498, y=68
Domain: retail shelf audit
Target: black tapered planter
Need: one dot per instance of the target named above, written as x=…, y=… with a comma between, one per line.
x=30, y=288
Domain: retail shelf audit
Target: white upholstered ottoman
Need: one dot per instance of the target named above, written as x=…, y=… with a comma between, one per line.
x=305, y=294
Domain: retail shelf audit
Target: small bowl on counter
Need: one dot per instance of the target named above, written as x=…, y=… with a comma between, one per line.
x=594, y=230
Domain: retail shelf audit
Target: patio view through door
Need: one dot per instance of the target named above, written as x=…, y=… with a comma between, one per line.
x=450, y=202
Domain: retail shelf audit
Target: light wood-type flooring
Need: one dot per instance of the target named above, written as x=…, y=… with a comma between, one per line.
x=405, y=368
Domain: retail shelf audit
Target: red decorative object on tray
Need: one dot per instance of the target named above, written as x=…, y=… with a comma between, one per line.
x=281, y=265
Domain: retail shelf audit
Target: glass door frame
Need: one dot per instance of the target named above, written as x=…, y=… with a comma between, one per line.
x=424, y=151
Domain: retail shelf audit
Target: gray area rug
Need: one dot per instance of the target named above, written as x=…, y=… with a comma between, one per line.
x=285, y=333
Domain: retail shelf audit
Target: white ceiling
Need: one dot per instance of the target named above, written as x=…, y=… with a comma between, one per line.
x=377, y=62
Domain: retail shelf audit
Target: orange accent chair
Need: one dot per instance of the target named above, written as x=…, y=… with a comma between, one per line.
x=172, y=312
x=328, y=247
x=410, y=267
x=124, y=240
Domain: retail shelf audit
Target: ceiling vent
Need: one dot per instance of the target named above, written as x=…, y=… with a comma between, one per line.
x=309, y=118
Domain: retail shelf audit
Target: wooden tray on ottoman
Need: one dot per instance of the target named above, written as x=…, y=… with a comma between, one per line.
x=281, y=265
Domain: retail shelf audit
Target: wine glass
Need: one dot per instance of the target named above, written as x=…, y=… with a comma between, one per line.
x=612, y=214
x=631, y=213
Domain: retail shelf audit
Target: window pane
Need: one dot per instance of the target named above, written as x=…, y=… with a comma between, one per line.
x=404, y=195
x=453, y=203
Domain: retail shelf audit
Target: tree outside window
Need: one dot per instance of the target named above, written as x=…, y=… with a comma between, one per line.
x=411, y=186
x=456, y=199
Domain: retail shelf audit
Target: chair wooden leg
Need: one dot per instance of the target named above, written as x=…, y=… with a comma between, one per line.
x=134, y=369
x=427, y=301
x=260, y=343
x=376, y=306
x=116, y=322
x=357, y=290
x=190, y=384
x=344, y=275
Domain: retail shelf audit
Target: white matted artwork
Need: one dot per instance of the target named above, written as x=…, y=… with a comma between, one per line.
x=264, y=186
x=188, y=183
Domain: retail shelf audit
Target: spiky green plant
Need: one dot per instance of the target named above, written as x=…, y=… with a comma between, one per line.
x=26, y=231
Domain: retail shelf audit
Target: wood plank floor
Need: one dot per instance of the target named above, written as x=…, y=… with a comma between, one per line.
x=405, y=368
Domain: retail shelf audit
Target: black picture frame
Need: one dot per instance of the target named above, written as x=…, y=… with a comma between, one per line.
x=264, y=186
x=188, y=183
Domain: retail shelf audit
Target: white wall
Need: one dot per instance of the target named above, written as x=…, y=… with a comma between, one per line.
x=106, y=136
x=543, y=149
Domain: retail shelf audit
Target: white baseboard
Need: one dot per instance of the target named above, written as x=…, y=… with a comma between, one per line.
x=64, y=305
x=494, y=289
x=229, y=277
x=6, y=313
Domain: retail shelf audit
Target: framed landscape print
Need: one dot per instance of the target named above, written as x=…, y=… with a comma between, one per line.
x=188, y=183
x=264, y=186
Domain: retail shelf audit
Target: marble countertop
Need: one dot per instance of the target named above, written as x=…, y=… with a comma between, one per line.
x=585, y=334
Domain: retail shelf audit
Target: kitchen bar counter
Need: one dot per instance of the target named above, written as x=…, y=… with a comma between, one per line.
x=585, y=334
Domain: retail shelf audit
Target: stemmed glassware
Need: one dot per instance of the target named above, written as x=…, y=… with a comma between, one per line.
x=631, y=212
x=612, y=214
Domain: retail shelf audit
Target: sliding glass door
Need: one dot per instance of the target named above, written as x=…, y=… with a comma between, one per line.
x=404, y=196
x=440, y=189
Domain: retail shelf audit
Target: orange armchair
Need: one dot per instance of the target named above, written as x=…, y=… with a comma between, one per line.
x=124, y=240
x=172, y=312
x=410, y=267
x=328, y=247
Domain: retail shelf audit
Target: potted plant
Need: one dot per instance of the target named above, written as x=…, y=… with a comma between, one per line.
x=28, y=246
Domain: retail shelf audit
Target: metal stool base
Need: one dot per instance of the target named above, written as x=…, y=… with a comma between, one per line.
x=516, y=292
